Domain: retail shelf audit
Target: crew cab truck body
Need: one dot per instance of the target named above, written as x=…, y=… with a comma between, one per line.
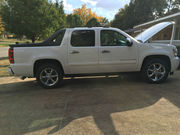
x=82, y=51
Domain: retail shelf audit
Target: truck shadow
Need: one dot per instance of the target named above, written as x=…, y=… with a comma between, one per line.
x=26, y=108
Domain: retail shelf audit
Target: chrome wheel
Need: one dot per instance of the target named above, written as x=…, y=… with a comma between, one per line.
x=156, y=72
x=49, y=76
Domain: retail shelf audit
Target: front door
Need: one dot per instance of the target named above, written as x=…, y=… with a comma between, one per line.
x=83, y=52
x=114, y=54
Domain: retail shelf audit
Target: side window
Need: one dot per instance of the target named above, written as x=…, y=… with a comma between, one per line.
x=83, y=38
x=58, y=38
x=112, y=38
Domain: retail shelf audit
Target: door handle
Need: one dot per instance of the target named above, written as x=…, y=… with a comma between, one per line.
x=74, y=52
x=106, y=51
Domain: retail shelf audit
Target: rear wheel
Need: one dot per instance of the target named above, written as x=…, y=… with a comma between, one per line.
x=49, y=76
x=156, y=70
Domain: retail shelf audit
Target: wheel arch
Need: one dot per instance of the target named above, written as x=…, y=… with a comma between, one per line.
x=40, y=62
x=164, y=57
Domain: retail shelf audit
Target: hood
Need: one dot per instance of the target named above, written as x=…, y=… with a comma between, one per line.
x=150, y=32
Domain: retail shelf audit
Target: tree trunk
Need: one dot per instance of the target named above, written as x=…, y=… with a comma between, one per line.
x=33, y=39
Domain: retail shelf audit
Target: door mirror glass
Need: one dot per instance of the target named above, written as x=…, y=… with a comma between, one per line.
x=129, y=42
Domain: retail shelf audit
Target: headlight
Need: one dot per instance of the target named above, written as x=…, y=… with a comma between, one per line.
x=175, y=52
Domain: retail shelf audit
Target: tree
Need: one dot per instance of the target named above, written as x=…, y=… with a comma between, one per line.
x=173, y=6
x=137, y=12
x=74, y=21
x=1, y=23
x=32, y=18
x=146, y=10
x=86, y=14
x=124, y=19
x=62, y=16
x=104, y=22
x=93, y=22
x=55, y=18
x=1, y=3
x=1, y=27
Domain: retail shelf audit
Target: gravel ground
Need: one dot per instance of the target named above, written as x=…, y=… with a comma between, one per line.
x=113, y=105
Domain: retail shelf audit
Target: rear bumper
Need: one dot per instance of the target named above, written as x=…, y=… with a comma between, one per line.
x=175, y=63
x=21, y=70
x=10, y=71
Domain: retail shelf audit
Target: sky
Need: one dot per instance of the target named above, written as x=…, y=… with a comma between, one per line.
x=104, y=8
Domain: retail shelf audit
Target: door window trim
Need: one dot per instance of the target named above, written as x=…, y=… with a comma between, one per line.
x=83, y=46
x=111, y=45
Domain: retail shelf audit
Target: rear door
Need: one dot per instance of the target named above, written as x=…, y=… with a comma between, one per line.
x=114, y=54
x=83, y=52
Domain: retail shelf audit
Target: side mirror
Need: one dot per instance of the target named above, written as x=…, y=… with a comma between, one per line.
x=129, y=42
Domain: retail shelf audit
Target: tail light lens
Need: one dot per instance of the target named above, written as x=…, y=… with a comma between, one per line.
x=11, y=55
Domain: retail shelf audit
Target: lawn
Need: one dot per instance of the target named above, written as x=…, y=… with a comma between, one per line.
x=7, y=42
x=4, y=64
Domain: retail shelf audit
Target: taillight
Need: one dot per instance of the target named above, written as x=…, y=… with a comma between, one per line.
x=11, y=55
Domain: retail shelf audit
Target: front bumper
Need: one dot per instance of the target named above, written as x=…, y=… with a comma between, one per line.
x=175, y=63
x=10, y=71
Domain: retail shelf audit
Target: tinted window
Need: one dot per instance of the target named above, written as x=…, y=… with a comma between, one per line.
x=83, y=38
x=112, y=38
x=57, y=39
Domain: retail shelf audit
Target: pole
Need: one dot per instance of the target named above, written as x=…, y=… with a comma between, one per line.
x=173, y=33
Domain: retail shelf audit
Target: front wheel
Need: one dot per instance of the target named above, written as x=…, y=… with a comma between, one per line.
x=156, y=70
x=49, y=76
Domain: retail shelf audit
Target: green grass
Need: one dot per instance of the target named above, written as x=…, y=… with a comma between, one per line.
x=7, y=42
x=4, y=64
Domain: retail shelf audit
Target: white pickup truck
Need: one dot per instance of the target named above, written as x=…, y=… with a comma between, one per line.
x=96, y=50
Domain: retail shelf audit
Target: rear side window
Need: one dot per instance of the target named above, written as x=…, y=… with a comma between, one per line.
x=57, y=39
x=83, y=38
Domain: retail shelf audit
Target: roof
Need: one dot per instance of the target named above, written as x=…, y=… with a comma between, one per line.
x=82, y=28
x=93, y=28
x=158, y=20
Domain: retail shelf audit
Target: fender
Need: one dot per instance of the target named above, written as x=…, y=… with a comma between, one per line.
x=152, y=52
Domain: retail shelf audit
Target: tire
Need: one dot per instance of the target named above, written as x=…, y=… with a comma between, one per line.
x=155, y=70
x=49, y=76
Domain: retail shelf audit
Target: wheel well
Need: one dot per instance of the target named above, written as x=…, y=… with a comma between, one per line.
x=164, y=57
x=43, y=61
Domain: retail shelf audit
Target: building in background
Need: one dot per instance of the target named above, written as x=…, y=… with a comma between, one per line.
x=163, y=36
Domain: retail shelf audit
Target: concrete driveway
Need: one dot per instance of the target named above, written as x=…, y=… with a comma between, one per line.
x=3, y=52
x=93, y=106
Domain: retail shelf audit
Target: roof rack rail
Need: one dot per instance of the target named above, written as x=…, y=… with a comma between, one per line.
x=106, y=26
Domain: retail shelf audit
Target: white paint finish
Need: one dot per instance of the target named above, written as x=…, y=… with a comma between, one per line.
x=86, y=60
x=173, y=33
x=150, y=32
x=175, y=42
x=174, y=63
x=90, y=59
x=119, y=59
x=149, y=49
x=29, y=55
